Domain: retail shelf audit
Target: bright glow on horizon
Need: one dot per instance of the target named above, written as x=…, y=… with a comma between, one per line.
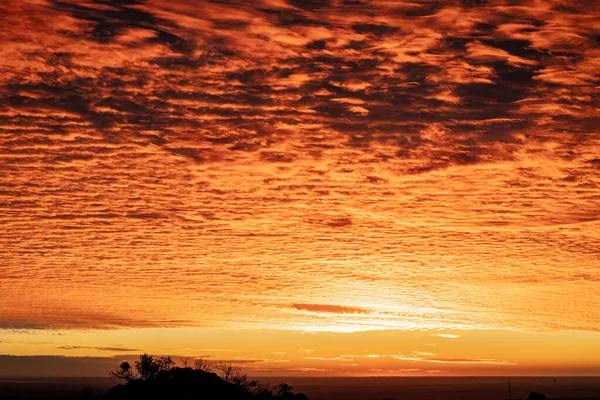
x=279, y=353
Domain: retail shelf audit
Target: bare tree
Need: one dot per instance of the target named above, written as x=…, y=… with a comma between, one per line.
x=202, y=364
x=231, y=374
x=165, y=363
x=185, y=362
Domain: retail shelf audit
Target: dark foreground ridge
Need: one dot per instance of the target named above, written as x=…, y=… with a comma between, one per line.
x=188, y=383
x=159, y=378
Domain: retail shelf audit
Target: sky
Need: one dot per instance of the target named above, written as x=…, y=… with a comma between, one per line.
x=301, y=187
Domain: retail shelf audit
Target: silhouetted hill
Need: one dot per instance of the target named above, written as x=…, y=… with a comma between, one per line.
x=158, y=378
x=180, y=384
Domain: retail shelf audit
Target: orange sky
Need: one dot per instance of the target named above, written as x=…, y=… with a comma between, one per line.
x=303, y=187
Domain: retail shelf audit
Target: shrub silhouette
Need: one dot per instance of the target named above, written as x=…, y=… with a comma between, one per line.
x=536, y=396
x=124, y=372
x=159, y=378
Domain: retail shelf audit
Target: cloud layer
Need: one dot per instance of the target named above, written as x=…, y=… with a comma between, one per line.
x=332, y=165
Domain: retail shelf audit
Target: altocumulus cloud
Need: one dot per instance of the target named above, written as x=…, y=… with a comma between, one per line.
x=299, y=152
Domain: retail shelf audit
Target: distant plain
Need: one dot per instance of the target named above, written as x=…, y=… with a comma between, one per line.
x=360, y=388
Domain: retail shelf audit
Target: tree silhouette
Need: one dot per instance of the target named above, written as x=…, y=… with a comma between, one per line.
x=231, y=374
x=165, y=363
x=284, y=389
x=146, y=367
x=202, y=364
x=124, y=372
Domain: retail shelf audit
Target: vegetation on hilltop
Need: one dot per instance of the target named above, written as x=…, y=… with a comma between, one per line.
x=159, y=378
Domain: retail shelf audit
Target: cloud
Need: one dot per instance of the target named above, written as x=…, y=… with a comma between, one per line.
x=55, y=366
x=240, y=361
x=329, y=308
x=306, y=369
x=485, y=361
x=111, y=349
x=467, y=361
x=446, y=335
x=71, y=318
x=229, y=156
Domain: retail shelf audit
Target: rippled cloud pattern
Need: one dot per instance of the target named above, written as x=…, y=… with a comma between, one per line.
x=335, y=165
